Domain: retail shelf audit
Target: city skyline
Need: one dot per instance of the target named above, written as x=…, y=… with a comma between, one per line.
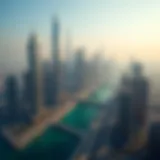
x=79, y=79
x=120, y=28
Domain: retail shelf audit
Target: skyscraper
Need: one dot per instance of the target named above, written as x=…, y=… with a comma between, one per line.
x=34, y=74
x=48, y=83
x=124, y=98
x=56, y=60
x=68, y=64
x=79, y=70
x=139, y=96
x=140, y=93
x=96, y=65
x=12, y=98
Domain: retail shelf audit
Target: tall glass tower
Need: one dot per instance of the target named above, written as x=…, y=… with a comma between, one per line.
x=34, y=74
x=56, y=59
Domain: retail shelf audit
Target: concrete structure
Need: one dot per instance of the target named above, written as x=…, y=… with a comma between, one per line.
x=34, y=74
x=140, y=92
x=48, y=83
x=138, y=125
x=56, y=60
x=79, y=70
x=12, y=99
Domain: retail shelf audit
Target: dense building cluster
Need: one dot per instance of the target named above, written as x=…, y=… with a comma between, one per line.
x=44, y=81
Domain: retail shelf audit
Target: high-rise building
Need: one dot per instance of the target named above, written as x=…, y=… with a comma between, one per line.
x=3, y=103
x=2, y=94
x=79, y=70
x=97, y=70
x=26, y=89
x=138, y=113
x=48, y=83
x=34, y=76
x=56, y=60
x=12, y=98
x=68, y=67
x=139, y=93
x=124, y=110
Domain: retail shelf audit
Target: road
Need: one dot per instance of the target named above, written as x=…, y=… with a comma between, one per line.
x=22, y=139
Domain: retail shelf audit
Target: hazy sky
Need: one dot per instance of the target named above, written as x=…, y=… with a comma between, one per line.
x=119, y=27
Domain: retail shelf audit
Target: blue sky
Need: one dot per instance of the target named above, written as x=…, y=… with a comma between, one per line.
x=114, y=25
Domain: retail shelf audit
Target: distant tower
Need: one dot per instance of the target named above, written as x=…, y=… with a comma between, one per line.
x=56, y=60
x=48, y=83
x=12, y=97
x=97, y=70
x=138, y=125
x=68, y=47
x=79, y=70
x=140, y=93
x=34, y=74
x=69, y=64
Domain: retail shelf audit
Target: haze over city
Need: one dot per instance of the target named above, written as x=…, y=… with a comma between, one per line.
x=79, y=79
x=119, y=28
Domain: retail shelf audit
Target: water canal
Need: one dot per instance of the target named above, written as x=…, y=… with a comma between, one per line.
x=56, y=143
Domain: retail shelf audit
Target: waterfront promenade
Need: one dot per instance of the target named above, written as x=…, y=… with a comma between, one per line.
x=20, y=137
